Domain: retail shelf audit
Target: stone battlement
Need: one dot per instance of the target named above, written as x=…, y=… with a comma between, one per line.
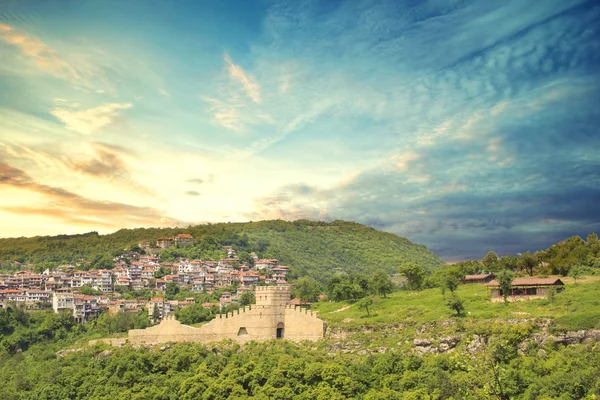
x=271, y=318
x=271, y=289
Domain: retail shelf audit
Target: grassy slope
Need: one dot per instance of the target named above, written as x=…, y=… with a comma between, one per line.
x=578, y=307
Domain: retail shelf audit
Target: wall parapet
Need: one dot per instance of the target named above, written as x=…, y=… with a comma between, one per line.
x=272, y=289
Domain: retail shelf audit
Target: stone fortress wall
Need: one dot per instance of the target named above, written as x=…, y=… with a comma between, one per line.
x=272, y=317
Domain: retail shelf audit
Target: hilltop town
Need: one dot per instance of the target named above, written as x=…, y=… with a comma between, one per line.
x=89, y=292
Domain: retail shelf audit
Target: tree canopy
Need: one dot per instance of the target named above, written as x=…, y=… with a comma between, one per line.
x=310, y=248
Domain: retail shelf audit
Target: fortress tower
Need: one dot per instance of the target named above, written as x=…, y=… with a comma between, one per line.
x=272, y=317
x=272, y=296
x=271, y=302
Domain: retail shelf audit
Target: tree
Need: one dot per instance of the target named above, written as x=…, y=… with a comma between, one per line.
x=101, y=261
x=88, y=291
x=455, y=303
x=576, y=272
x=172, y=289
x=509, y=262
x=306, y=289
x=381, y=283
x=505, y=278
x=155, y=313
x=365, y=304
x=490, y=260
x=528, y=262
x=415, y=275
x=346, y=287
x=193, y=314
x=450, y=282
x=247, y=298
x=162, y=271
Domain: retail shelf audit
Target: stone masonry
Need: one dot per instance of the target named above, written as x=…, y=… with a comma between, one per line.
x=272, y=317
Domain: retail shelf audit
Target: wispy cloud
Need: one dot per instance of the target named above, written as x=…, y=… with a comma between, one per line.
x=90, y=120
x=46, y=58
x=107, y=163
x=248, y=82
x=63, y=204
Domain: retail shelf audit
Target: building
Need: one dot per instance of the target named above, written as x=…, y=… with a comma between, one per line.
x=271, y=318
x=266, y=264
x=479, y=278
x=184, y=239
x=63, y=301
x=34, y=296
x=163, y=307
x=83, y=307
x=525, y=289
x=164, y=243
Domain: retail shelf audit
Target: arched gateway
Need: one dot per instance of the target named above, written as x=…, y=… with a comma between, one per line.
x=271, y=317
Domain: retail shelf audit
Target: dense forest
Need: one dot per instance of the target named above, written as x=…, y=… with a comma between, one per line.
x=501, y=368
x=499, y=350
x=309, y=248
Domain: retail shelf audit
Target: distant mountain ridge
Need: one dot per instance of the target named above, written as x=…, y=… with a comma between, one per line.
x=310, y=248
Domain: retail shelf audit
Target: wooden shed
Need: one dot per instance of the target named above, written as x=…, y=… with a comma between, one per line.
x=526, y=289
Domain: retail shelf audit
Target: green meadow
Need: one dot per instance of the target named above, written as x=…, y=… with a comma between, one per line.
x=577, y=307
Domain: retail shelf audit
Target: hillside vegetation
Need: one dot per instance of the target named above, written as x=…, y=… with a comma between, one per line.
x=577, y=307
x=363, y=357
x=309, y=248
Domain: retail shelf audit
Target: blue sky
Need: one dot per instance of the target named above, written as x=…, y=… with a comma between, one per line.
x=463, y=125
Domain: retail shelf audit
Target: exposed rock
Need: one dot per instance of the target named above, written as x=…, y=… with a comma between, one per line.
x=422, y=342
x=541, y=352
x=523, y=346
x=476, y=344
x=347, y=320
x=104, y=354
x=450, y=341
x=65, y=352
x=573, y=337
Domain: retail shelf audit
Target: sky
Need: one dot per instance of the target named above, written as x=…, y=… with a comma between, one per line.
x=467, y=126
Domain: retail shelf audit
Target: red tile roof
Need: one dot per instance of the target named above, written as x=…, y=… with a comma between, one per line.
x=297, y=302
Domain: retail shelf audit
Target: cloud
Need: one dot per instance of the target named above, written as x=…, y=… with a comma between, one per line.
x=108, y=163
x=237, y=104
x=248, y=82
x=45, y=159
x=64, y=205
x=226, y=114
x=401, y=162
x=163, y=92
x=88, y=121
x=192, y=193
x=44, y=57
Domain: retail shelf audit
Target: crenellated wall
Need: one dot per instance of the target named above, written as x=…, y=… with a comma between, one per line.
x=263, y=321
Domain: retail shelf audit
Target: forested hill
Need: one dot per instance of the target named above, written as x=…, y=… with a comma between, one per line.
x=308, y=247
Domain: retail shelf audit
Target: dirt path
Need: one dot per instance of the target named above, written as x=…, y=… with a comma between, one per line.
x=342, y=309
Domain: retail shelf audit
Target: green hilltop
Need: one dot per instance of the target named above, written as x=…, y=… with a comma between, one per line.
x=311, y=248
